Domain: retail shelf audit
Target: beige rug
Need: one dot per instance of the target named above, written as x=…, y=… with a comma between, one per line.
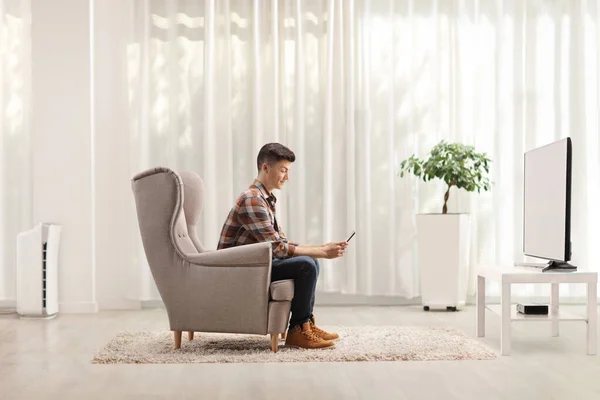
x=367, y=343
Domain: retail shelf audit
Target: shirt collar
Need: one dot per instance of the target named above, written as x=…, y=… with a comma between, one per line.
x=264, y=192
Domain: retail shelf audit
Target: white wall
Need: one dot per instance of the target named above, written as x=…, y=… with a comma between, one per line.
x=63, y=168
x=114, y=200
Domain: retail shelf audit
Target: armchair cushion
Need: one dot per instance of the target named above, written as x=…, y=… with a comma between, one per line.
x=282, y=290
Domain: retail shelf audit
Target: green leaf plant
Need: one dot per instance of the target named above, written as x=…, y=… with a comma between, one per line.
x=455, y=164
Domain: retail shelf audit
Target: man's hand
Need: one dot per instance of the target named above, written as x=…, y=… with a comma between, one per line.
x=329, y=250
x=334, y=249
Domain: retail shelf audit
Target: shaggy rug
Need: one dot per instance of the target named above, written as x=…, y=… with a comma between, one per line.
x=367, y=343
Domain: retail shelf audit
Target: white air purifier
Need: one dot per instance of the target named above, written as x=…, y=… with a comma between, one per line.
x=37, y=271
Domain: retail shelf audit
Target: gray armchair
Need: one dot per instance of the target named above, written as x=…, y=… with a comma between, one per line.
x=205, y=291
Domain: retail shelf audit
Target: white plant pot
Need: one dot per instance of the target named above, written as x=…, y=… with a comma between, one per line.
x=443, y=242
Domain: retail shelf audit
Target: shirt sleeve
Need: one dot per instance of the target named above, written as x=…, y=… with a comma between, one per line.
x=255, y=218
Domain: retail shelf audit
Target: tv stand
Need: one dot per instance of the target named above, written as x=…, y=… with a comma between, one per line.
x=508, y=276
x=559, y=266
x=556, y=266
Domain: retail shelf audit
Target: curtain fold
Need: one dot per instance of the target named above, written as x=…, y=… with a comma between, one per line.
x=15, y=145
x=353, y=88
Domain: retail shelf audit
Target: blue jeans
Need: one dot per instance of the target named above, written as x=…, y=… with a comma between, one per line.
x=304, y=271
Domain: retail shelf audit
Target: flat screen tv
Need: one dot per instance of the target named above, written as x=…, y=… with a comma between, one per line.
x=547, y=205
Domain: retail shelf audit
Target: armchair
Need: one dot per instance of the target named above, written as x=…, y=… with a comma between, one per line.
x=227, y=290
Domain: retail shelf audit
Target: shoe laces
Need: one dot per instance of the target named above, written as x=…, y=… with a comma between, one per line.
x=316, y=329
x=310, y=335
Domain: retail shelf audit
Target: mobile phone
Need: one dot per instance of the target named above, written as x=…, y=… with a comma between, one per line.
x=351, y=236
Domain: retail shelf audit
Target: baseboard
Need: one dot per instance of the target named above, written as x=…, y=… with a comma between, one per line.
x=8, y=303
x=8, y=307
x=337, y=299
x=149, y=304
x=66, y=308
x=330, y=299
x=78, y=307
x=119, y=304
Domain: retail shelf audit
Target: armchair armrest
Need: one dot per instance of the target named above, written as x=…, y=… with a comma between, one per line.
x=257, y=254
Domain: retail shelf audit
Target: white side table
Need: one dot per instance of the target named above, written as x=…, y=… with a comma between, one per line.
x=509, y=274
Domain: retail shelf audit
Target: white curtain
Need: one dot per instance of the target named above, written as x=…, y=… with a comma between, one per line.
x=355, y=87
x=15, y=156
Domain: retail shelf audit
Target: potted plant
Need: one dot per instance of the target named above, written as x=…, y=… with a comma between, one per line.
x=443, y=238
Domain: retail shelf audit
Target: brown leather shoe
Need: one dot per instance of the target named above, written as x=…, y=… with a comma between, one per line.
x=306, y=339
x=320, y=332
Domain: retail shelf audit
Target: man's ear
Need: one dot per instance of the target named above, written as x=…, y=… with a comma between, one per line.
x=265, y=167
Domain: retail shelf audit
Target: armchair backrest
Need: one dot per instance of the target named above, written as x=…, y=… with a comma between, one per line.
x=159, y=200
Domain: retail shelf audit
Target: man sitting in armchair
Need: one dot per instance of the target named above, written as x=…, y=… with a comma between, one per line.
x=252, y=220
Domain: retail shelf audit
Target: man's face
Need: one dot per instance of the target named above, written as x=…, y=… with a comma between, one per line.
x=278, y=173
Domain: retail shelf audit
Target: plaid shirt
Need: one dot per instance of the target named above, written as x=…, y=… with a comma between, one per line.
x=252, y=220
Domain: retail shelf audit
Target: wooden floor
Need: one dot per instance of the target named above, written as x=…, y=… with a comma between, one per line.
x=51, y=360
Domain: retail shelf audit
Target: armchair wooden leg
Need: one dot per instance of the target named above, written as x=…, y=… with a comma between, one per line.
x=191, y=335
x=274, y=342
x=177, y=336
x=284, y=335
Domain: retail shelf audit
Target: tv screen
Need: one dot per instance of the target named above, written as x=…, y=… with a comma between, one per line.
x=547, y=202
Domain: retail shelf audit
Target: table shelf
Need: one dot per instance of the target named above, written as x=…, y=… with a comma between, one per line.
x=517, y=316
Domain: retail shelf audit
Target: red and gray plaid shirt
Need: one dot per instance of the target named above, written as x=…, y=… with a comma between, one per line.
x=252, y=220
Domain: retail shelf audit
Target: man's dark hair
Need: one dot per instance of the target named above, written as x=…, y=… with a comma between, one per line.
x=271, y=153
